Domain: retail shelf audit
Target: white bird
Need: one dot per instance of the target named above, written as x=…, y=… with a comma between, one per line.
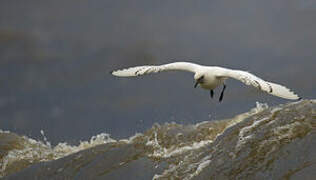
x=210, y=77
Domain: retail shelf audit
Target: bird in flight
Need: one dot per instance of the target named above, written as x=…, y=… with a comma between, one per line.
x=210, y=77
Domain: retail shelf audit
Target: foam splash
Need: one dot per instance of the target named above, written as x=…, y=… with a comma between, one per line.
x=281, y=132
x=245, y=134
x=237, y=119
x=131, y=139
x=33, y=151
x=37, y=151
x=161, y=152
x=4, y=132
x=200, y=166
x=192, y=150
x=166, y=153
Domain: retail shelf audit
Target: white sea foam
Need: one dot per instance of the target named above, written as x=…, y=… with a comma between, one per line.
x=204, y=162
x=245, y=133
x=33, y=151
x=170, y=152
x=259, y=108
x=2, y=131
x=131, y=139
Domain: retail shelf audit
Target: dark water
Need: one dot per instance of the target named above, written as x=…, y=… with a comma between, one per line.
x=264, y=143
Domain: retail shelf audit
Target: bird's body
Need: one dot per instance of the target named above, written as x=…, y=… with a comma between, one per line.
x=210, y=77
x=210, y=80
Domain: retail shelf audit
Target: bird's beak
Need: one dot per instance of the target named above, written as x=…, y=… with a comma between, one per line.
x=196, y=83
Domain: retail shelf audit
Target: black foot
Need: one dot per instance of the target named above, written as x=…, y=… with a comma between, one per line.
x=222, y=94
x=211, y=93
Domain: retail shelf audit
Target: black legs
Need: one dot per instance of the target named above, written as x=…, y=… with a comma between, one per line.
x=211, y=93
x=222, y=93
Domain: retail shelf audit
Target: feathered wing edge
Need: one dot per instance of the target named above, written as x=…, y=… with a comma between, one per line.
x=132, y=71
x=143, y=70
x=283, y=92
x=269, y=87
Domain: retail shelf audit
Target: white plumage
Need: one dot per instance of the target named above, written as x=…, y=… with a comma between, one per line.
x=210, y=77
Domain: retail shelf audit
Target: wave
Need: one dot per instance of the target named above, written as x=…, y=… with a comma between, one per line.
x=259, y=144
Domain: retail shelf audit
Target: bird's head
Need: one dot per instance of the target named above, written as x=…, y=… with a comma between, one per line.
x=199, y=78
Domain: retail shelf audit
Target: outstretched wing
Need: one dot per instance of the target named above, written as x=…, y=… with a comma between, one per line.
x=252, y=80
x=142, y=70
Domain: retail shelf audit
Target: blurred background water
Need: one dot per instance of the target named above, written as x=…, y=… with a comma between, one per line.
x=55, y=58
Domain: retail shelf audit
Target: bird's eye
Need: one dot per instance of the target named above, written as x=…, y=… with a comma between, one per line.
x=200, y=78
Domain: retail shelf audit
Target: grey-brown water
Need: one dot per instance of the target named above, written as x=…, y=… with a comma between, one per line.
x=264, y=143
